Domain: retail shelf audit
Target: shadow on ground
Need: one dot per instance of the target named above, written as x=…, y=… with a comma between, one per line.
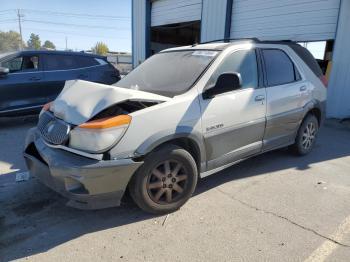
x=33, y=219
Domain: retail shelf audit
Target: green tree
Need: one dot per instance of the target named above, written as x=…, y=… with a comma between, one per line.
x=49, y=45
x=100, y=48
x=34, y=41
x=10, y=41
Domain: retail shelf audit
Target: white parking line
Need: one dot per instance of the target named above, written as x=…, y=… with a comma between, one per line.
x=328, y=247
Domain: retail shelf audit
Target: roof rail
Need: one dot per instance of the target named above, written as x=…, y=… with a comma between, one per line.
x=278, y=41
x=253, y=39
x=226, y=40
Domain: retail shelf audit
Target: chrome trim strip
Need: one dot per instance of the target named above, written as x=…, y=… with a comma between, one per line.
x=49, y=71
x=22, y=108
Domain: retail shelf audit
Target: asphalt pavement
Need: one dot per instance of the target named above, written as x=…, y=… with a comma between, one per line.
x=274, y=207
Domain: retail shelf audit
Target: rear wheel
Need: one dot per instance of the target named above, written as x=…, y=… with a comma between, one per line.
x=306, y=136
x=165, y=181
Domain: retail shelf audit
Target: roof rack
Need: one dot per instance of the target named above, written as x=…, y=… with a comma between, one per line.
x=227, y=40
x=253, y=39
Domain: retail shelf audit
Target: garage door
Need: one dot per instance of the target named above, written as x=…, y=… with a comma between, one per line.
x=175, y=11
x=299, y=20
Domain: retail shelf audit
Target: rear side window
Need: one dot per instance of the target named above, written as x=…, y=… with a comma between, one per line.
x=279, y=67
x=61, y=62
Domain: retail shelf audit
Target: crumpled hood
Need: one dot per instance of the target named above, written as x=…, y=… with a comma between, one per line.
x=81, y=100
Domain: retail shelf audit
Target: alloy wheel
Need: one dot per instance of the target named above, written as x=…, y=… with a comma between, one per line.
x=167, y=182
x=309, y=135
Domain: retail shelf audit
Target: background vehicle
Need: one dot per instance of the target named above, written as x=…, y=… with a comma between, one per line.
x=35, y=77
x=183, y=113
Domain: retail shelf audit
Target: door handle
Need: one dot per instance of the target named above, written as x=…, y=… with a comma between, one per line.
x=35, y=78
x=259, y=98
x=303, y=88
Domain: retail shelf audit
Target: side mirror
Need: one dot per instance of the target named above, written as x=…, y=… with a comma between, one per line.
x=226, y=82
x=4, y=71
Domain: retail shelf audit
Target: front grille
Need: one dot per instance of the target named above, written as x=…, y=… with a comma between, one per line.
x=53, y=130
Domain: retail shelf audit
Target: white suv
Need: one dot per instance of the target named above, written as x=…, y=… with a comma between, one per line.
x=184, y=113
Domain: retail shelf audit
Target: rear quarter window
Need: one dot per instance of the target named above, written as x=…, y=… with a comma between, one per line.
x=85, y=61
x=308, y=59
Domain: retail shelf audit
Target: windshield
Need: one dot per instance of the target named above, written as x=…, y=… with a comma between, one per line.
x=168, y=74
x=3, y=55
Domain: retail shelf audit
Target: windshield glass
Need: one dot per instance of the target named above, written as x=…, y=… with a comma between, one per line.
x=3, y=55
x=168, y=74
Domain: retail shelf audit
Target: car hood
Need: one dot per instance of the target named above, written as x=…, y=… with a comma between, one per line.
x=81, y=100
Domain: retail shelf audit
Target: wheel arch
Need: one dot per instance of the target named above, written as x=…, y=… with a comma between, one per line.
x=316, y=108
x=190, y=141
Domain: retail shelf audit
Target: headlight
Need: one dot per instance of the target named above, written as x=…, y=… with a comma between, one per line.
x=99, y=135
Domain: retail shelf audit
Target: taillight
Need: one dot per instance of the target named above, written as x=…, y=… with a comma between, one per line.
x=324, y=80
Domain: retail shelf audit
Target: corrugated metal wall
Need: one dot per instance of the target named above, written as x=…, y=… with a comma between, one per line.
x=338, y=103
x=299, y=20
x=166, y=12
x=213, y=20
x=138, y=31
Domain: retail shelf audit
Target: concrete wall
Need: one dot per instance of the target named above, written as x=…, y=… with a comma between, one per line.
x=338, y=104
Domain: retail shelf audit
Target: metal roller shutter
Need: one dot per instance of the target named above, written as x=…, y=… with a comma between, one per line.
x=175, y=11
x=298, y=20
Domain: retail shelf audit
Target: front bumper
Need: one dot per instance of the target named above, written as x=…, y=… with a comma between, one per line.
x=87, y=183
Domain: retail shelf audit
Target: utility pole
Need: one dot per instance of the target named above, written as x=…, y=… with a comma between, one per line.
x=66, y=44
x=19, y=15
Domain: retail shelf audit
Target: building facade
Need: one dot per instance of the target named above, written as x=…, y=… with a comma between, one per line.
x=160, y=24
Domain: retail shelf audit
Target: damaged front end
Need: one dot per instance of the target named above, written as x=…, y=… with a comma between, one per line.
x=69, y=149
x=91, y=117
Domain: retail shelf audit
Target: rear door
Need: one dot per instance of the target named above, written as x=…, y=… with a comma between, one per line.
x=287, y=93
x=23, y=87
x=60, y=68
x=234, y=122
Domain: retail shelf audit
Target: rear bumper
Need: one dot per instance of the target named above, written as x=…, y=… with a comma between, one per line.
x=87, y=183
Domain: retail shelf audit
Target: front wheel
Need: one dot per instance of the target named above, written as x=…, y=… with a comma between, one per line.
x=306, y=136
x=165, y=181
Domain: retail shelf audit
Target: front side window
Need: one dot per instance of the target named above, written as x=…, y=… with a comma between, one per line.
x=169, y=73
x=22, y=63
x=279, y=67
x=242, y=62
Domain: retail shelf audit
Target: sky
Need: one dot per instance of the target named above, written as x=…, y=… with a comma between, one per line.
x=83, y=22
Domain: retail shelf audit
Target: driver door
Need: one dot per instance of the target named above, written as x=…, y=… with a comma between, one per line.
x=234, y=122
x=22, y=87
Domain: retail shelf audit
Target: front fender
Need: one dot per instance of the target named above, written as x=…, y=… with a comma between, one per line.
x=167, y=135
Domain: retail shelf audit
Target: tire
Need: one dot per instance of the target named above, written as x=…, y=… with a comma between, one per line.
x=306, y=136
x=168, y=169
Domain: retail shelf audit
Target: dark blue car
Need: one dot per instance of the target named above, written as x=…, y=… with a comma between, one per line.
x=30, y=79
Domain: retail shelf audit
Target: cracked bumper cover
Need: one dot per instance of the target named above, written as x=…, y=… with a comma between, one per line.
x=87, y=183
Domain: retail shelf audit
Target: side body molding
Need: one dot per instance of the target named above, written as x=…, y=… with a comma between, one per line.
x=281, y=129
